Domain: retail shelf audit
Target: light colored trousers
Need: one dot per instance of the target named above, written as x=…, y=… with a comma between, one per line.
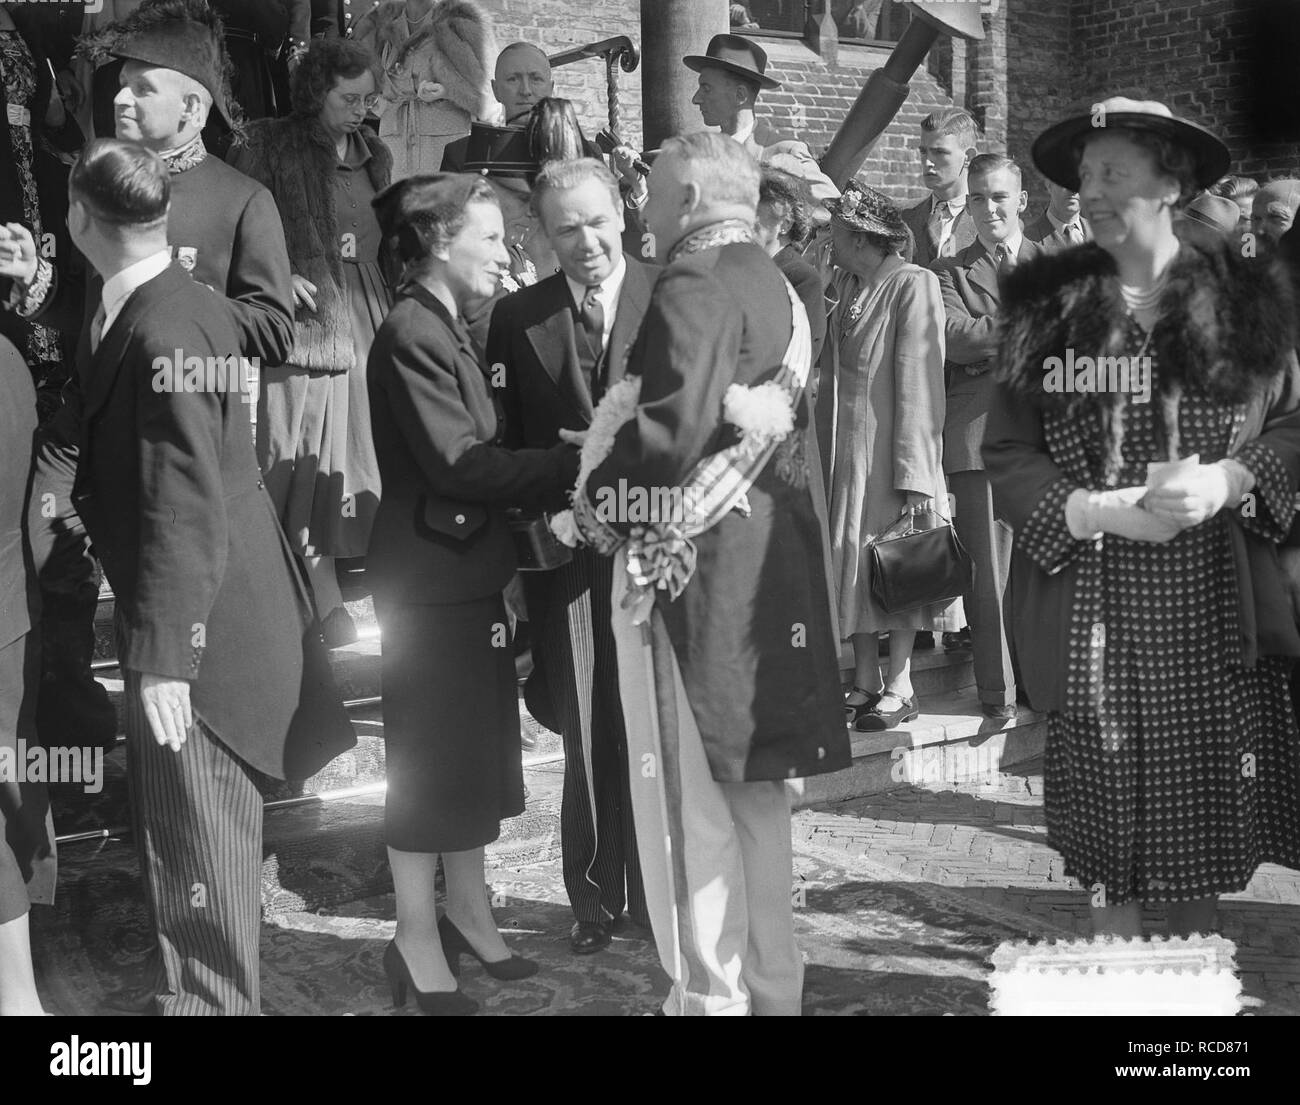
x=716, y=858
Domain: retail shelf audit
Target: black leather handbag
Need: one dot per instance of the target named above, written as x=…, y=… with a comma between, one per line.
x=536, y=548
x=912, y=568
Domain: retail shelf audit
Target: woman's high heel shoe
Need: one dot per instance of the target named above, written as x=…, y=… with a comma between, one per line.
x=454, y=945
x=437, y=1003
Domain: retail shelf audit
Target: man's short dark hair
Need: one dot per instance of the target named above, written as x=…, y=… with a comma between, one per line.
x=121, y=183
x=987, y=163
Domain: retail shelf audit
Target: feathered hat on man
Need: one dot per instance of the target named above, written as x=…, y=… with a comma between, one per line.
x=186, y=36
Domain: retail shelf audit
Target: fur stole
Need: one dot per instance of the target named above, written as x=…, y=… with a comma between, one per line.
x=456, y=47
x=1226, y=326
x=295, y=160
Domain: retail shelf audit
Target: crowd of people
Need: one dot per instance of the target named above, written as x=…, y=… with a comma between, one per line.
x=457, y=335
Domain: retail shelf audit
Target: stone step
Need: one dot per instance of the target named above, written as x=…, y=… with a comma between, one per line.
x=950, y=742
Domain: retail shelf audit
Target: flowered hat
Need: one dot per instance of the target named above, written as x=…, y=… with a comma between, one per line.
x=1054, y=149
x=866, y=210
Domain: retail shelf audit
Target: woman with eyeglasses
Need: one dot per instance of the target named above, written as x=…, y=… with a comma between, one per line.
x=323, y=165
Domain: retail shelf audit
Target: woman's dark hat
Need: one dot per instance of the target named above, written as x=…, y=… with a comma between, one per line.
x=1054, y=149
x=737, y=56
x=405, y=209
x=865, y=210
x=181, y=35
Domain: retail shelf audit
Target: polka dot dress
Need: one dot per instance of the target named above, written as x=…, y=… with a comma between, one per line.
x=1188, y=778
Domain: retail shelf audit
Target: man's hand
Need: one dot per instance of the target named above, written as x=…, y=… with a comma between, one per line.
x=574, y=437
x=303, y=292
x=623, y=160
x=1289, y=559
x=166, y=705
x=17, y=253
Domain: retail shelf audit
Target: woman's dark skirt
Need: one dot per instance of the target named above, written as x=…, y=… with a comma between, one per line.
x=451, y=725
x=27, y=856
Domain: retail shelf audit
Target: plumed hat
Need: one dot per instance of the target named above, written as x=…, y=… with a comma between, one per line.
x=186, y=36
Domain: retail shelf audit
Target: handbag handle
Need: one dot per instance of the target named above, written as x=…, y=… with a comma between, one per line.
x=905, y=519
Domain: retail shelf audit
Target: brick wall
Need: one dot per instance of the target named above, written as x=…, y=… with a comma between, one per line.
x=556, y=25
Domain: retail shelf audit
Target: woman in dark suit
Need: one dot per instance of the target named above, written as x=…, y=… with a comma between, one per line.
x=440, y=555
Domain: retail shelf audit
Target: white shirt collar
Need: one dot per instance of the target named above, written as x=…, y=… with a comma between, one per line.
x=1013, y=244
x=118, y=287
x=1059, y=224
x=954, y=205
x=745, y=132
x=610, y=289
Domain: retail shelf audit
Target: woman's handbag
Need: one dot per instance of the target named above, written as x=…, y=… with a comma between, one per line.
x=918, y=567
x=536, y=548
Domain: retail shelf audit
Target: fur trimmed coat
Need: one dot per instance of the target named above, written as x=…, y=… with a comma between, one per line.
x=1226, y=330
x=455, y=51
x=296, y=161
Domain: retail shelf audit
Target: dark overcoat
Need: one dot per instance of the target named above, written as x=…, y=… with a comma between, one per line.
x=969, y=283
x=206, y=583
x=752, y=631
x=1226, y=324
x=440, y=535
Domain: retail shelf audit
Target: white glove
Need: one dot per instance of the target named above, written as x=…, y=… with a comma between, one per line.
x=1190, y=497
x=1089, y=514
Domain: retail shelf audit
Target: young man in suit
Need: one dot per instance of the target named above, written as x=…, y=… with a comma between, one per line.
x=225, y=229
x=1060, y=225
x=940, y=224
x=561, y=344
x=731, y=687
x=225, y=680
x=969, y=282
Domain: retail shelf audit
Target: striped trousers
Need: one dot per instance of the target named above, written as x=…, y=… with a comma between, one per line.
x=197, y=817
x=574, y=644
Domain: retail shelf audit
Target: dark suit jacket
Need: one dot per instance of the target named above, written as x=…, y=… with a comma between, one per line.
x=765, y=710
x=969, y=283
x=440, y=534
x=206, y=583
x=17, y=424
x=1041, y=231
x=532, y=334
x=917, y=219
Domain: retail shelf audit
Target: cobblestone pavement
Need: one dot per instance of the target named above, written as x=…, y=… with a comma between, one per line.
x=987, y=838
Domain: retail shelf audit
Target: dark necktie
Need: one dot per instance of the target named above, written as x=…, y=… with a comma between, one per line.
x=97, y=327
x=1005, y=261
x=592, y=315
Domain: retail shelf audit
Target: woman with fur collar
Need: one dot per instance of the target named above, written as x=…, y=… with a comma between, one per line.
x=323, y=166
x=437, y=58
x=1144, y=443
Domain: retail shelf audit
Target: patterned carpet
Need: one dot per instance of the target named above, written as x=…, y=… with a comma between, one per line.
x=874, y=942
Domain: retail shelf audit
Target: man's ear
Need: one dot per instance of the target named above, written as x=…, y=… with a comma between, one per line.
x=1024, y=202
x=195, y=110
x=691, y=197
x=971, y=154
x=493, y=83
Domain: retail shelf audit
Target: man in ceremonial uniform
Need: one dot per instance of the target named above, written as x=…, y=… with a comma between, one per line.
x=225, y=679
x=224, y=228
x=730, y=679
x=940, y=224
x=562, y=343
x=969, y=282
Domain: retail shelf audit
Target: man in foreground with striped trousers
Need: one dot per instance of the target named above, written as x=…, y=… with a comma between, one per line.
x=226, y=676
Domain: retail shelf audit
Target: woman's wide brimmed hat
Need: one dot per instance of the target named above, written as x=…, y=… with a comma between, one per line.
x=735, y=55
x=1055, y=150
x=868, y=211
